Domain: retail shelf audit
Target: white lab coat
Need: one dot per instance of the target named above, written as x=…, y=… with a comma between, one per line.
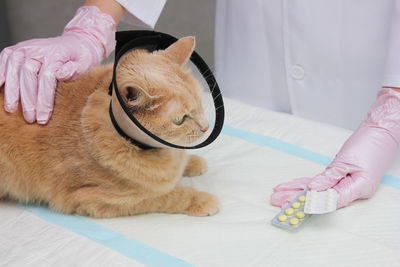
x=319, y=59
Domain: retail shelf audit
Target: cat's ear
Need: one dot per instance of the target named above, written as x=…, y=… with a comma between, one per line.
x=137, y=98
x=181, y=50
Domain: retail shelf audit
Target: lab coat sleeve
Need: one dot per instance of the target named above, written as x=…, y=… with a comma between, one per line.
x=142, y=13
x=392, y=70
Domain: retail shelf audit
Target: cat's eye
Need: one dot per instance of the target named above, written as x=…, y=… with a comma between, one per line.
x=131, y=93
x=179, y=120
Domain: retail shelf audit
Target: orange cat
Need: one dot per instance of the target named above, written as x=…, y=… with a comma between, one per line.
x=79, y=164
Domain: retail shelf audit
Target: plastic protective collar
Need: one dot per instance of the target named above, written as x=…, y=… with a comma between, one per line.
x=124, y=121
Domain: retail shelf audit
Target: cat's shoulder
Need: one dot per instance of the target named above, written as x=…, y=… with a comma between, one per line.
x=96, y=74
x=99, y=71
x=87, y=82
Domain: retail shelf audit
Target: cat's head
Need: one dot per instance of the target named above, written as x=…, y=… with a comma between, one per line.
x=161, y=92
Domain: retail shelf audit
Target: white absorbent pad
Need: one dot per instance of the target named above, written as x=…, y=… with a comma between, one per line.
x=257, y=150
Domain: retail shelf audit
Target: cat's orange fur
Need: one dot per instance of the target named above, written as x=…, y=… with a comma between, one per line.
x=79, y=164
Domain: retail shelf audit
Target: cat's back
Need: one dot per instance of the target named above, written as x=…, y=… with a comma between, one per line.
x=23, y=143
x=33, y=158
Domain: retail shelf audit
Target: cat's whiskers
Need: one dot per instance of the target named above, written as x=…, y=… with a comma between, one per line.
x=213, y=88
x=208, y=70
x=218, y=107
x=208, y=76
x=192, y=137
x=217, y=96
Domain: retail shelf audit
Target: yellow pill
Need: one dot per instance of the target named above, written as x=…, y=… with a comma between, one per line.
x=294, y=221
x=289, y=211
x=302, y=199
x=282, y=218
x=296, y=205
x=300, y=215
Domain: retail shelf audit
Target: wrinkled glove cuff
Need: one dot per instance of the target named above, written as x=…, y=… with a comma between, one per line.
x=374, y=144
x=98, y=27
x=385, y=113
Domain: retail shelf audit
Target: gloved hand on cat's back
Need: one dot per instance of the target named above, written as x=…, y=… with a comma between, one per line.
x=362, y=161
x=30, y=70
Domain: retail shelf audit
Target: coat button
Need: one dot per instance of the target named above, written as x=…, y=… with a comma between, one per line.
x=297, y=72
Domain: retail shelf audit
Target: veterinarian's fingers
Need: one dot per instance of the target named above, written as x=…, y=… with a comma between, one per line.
x=354, y=187
x=71, y=69
x=28, y=80
x=281, y=198
x=67, y=71
x=46, y=92
x=294, y=185
x=11, y=88
x=327, y=179
x=3, y=63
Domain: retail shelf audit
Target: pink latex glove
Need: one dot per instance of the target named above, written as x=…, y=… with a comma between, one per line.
x=31, y=69
x=360, y=164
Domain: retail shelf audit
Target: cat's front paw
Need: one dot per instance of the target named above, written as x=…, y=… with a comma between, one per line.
x=196, y=166
x=203, y=204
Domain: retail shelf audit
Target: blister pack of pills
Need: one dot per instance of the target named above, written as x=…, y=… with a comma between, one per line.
x=301, y=207
x=292, y=215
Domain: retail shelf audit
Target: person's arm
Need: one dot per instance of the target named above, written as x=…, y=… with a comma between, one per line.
x=30, y=70
x=363, y=159
x=111, y=7
x=142, y=13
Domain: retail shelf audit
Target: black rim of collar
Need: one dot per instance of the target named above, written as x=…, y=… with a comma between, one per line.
x=151, y=40
x=124, y=135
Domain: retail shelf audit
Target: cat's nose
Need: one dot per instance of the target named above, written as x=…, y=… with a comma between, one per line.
x=204, y=128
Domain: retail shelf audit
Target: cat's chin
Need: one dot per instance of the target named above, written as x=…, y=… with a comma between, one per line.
x=186, y=142
x=179, y=142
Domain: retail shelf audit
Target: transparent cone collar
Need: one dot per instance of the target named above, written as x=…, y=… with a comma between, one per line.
x=128, y=126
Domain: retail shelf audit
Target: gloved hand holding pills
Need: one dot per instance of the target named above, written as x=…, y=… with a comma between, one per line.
x=356, y=170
